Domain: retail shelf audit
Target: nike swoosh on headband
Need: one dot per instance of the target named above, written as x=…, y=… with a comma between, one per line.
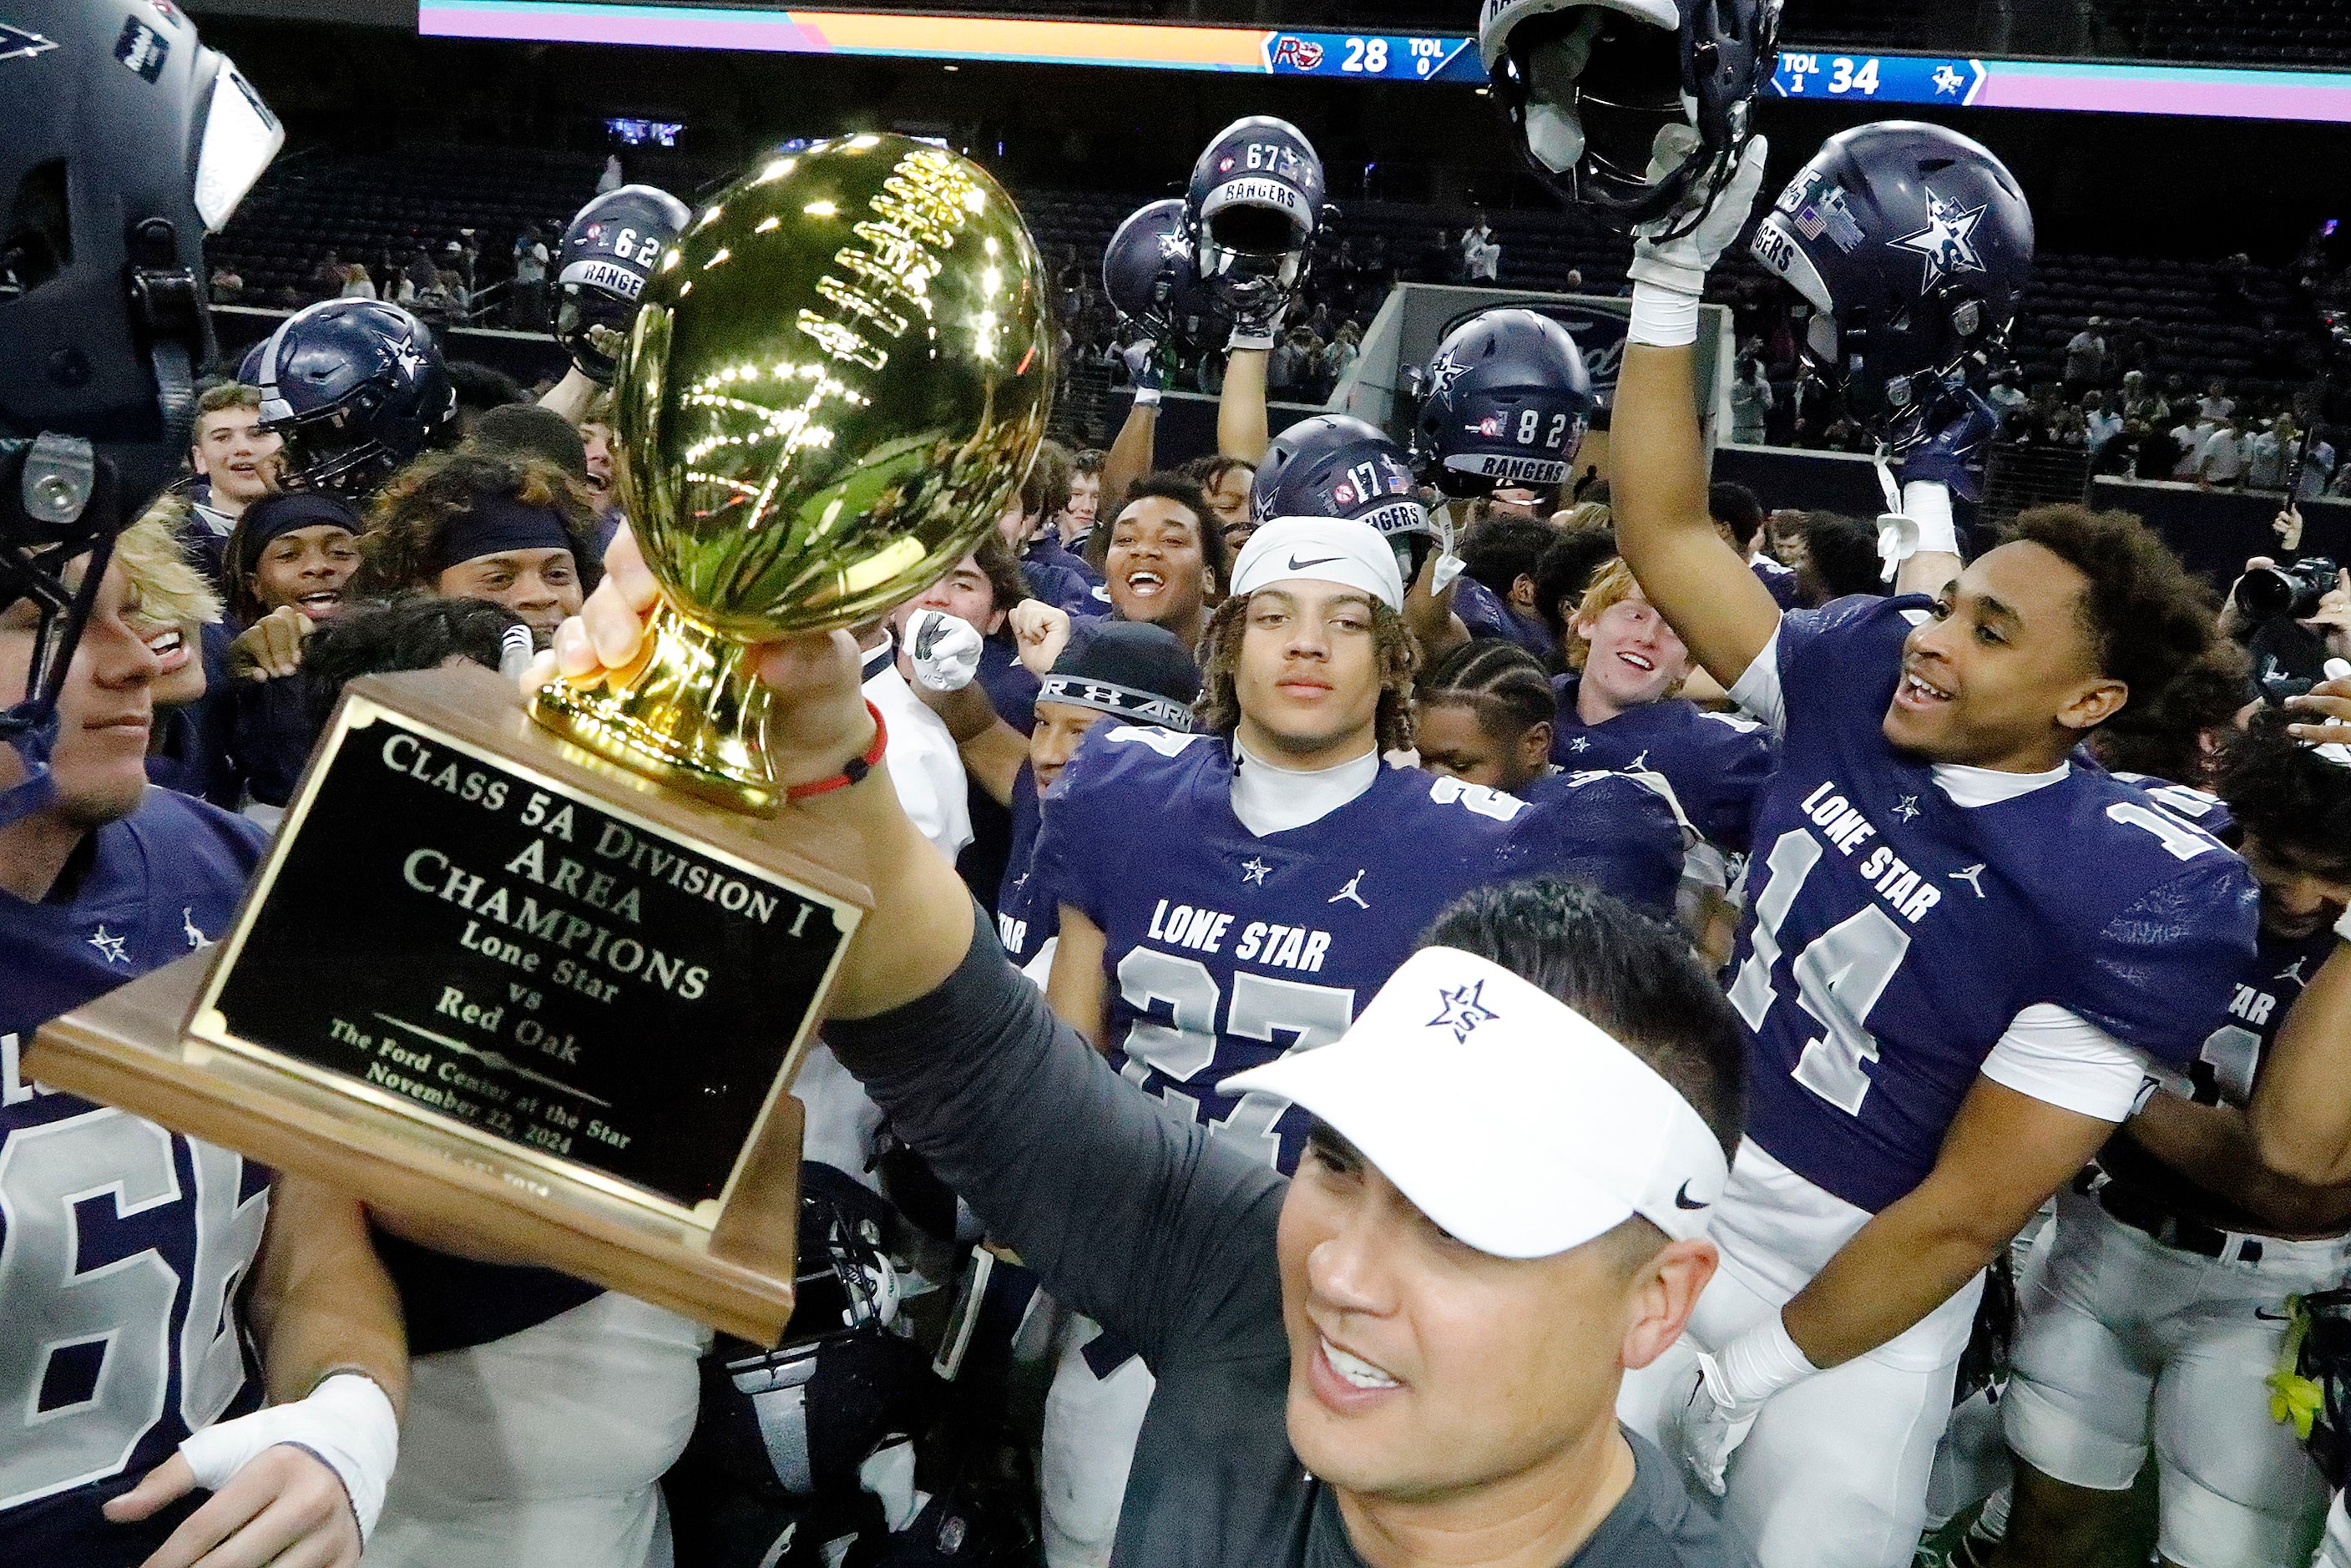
x=1298, y=565
x=1682, y=1198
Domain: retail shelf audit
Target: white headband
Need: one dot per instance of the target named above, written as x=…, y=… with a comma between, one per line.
x=1320, y=550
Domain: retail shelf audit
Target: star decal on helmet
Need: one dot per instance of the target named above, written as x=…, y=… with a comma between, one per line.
x=1443, y=372
x=1462, y=1010
x=1948, y=242
x=17, y=44
x=409, y=360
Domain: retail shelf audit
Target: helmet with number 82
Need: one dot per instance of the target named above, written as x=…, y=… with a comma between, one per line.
x=1505, y=400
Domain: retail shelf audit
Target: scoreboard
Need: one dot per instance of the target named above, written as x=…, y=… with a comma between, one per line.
x=1878, y=78
x=1375, y=57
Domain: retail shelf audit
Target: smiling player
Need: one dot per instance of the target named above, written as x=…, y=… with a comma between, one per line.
x=1961, y=948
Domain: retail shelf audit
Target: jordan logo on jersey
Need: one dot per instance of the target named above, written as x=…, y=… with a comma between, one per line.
x=197, y=940
x=1972, y=876
x=1351, y=892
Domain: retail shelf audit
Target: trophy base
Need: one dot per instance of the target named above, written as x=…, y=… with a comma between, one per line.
x=529, y=1004
x=125, y=1049
x=686, y=711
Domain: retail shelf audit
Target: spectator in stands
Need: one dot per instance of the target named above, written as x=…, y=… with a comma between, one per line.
x=422, y=276
x=2216, y=403
x=1346, y=348
x=357, y=283
x=2221, y=463
x=1481, y=254
x=2086, y=359
x=227, y=287
x=526, y=302
x=1751, y=402
x=2268, y=452
x=2319, y=476
x=1575, y=280
x=2189, y=436
x=2102, y=424
x=326, y=280
x=2158, y=456
x=612, y=179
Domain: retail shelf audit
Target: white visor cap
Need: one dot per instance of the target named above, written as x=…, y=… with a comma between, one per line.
x=1320, y=550
x=1505, y=1115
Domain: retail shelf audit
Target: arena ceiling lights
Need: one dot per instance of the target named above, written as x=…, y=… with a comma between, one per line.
x=1910, y=79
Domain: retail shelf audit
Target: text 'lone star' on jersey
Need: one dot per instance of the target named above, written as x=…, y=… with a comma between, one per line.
x=1895, y=934
x=1224, y=950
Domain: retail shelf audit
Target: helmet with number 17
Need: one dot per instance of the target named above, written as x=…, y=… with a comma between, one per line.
x=1913, y=245
x=1505, y=400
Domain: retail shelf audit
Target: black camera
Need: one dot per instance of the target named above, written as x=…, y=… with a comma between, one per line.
x=2292, y=591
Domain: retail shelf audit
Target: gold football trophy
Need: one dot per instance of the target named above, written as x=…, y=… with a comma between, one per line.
x=576, y=948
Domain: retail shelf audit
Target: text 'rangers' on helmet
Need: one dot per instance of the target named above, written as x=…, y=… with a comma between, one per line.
x=610, y=249
x=357, y=388
x=1505, y=400
x=1588, y=85
x=1252, y=208
x=1913, y=245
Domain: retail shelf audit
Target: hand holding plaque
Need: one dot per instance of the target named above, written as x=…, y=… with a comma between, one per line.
x=538, y=970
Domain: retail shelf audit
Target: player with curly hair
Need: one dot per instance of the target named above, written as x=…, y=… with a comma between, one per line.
x=516, y=531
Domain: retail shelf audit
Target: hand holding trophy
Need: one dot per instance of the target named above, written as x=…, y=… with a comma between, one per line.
x=577, y=947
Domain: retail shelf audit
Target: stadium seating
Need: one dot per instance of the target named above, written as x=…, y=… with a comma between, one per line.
x=2202, y=323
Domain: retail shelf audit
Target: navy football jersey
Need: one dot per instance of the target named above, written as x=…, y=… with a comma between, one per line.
x=2200, y=808
x=1027, y=916
x=1777, y=579
x=121, y=1245
x=1715, y=762
x=1893, y=935
x=1224, y=950
x=2226, y=1068
x=1484, y=615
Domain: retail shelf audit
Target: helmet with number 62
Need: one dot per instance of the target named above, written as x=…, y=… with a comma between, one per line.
x=611, y=248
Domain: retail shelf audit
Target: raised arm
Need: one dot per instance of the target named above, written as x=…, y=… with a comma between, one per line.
x=1656, y=451
x=1241, y=428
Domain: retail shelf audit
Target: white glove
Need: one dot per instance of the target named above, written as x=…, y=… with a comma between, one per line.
x=1257, y=335
x=1718, y=1402
x=347, y=1423
x=943, y=648
x=1669, y=275
x=1921, y=525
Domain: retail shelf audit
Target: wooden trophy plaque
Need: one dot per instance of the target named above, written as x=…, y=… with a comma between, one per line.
x=505, y=992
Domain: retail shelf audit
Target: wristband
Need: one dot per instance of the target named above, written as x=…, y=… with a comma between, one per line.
x=1663, y=316
x=1928, y=503
x=1260, y=338
x=1761, y=1361
x=347, y=1424
x=852, y=771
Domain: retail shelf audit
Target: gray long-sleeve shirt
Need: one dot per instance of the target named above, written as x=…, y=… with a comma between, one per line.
x=1165, y=1237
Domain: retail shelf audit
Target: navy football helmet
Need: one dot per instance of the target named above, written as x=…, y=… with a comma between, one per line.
x=1505, y=400
x=611, y=248
x=1252, y=208
x=127, y=139
x=1148, y=277
x=1335, y=465
x=357, y=388
x=1914, y=245
x=1588, y=84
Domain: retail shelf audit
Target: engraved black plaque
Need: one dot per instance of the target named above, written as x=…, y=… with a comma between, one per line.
x=458, y=937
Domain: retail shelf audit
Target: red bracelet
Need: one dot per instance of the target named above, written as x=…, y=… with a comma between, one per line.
x=852, y=771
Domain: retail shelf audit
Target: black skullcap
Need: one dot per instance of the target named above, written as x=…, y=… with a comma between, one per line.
x=282, y=513
x=1132, y=669
x=527, y=430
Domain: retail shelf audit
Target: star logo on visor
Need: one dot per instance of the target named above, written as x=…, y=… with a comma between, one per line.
x=1463, y=1010
x=1948, y=242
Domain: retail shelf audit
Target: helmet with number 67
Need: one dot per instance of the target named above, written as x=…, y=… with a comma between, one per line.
x=611, y=248
x=1505, y=400
x=1252, y=207
x=1913, y=245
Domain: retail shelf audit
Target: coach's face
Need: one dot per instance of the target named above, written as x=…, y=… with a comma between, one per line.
x=2005, y=675
x=1422, y=1370
x=105, y=711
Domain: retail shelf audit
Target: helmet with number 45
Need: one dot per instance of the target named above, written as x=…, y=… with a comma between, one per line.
x=1505, y=400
